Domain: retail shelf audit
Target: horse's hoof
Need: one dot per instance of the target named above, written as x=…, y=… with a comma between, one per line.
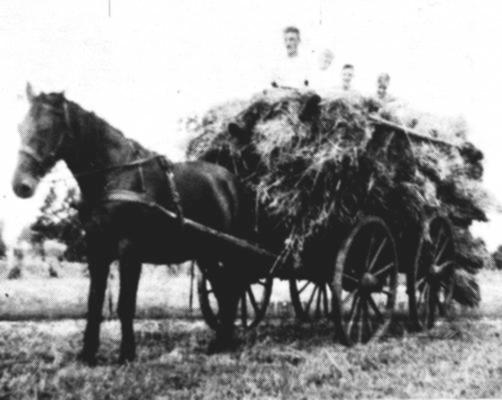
x=126, y=358
x=88, y=359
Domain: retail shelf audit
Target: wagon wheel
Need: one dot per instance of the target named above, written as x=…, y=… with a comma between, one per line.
x=311, y=300
x=365, y=282
x=430, y=281
x=251, y=308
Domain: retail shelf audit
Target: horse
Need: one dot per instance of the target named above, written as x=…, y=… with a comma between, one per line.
x=114, y=173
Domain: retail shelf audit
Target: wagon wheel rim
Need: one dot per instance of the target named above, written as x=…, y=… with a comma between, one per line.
x=431, y=281
x=365, y=283
x=311, y=300
x=252, y=305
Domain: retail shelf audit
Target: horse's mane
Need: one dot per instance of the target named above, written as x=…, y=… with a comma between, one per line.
x=90, y=124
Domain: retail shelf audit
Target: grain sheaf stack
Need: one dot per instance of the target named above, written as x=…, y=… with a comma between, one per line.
x=317, y=165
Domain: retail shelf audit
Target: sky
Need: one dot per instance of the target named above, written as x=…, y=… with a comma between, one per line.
x=143, y=65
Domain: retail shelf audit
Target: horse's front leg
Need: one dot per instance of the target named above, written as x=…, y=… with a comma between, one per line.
x=228, y=289
x=130, y=269
x=99, y=268
x=225, y=334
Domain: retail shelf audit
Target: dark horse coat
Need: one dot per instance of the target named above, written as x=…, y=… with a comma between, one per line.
x=103, y=161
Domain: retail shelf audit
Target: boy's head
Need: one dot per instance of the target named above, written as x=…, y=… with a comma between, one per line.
x=291, y=40
x=347, y=76
x=383, y=81
x=325, y=59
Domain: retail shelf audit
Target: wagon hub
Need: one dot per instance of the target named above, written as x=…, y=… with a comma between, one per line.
x=435, y=270
x=369, y=283
x=439, y=270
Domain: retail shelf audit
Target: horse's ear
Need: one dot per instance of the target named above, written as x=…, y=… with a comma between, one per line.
x=30, y=94
x=60, y=98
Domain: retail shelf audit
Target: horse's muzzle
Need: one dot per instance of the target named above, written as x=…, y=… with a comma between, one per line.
x=24, y=187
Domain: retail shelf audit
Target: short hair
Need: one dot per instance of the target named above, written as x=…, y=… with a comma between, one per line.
x=291, y=29
x=348, y=66
x=383, y=77
x=328, y=53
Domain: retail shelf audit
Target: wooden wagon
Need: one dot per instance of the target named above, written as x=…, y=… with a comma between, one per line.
x=358, y=284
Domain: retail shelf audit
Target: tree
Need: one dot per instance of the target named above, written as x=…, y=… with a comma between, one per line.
x=497, y=257
x=58, y=219
x=3, y=247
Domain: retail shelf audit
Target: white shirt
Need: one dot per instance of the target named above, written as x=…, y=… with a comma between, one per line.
x=291, y=72
x=324, y=81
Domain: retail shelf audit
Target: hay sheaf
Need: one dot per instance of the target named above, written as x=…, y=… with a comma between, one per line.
x=317, y=165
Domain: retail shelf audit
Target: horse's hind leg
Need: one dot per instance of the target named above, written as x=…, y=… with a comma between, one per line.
x=130, y=270
x=99, y=268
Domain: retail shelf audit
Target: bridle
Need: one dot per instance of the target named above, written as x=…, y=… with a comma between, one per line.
x=52, y=157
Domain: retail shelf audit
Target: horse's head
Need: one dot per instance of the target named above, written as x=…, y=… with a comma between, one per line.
x=42, y=131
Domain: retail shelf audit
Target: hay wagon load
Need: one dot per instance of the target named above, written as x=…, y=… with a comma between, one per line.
x=346, y=199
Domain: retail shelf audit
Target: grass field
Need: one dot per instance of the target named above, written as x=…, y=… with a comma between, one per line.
x=38, y=297
x=460, y=358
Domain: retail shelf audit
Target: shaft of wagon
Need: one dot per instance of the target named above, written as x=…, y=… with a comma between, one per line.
x=240, y=244
x=222, y=236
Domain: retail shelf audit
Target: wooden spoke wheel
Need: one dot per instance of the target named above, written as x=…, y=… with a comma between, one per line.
x=365, y=283
x=430, y=281
x=251, y=308
x=311, y=300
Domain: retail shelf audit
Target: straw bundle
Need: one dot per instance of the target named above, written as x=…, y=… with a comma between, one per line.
x=317, y=165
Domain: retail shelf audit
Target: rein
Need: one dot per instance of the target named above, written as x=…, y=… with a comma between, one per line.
x=135, y=163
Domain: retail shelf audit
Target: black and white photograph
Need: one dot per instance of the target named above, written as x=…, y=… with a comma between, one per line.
x=250, y=199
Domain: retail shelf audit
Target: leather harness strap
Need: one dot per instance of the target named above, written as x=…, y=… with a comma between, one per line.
x=168, y=167
x=135, y=163
x=142, y=198
x=120, y=195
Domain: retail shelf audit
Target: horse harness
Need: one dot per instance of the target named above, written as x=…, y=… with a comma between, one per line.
x=51, y=158
x=118, y=194
x=142, y=197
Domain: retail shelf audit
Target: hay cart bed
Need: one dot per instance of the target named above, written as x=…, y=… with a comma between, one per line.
x=347, y=198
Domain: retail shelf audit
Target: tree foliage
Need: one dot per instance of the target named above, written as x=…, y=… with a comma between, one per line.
x=497, y=257
x=3, y=247
x=58, y=220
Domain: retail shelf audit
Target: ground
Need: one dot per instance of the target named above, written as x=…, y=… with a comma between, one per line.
x=460, y=358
